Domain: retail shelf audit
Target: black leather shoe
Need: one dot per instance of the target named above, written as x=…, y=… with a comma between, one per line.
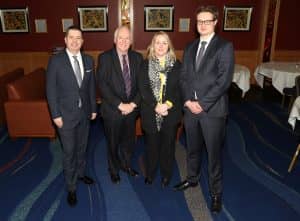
x=87, y=180
x=148, y=181
x=115, y=178
x=72, y=198
x=165, y=182
x=184, y=185
x=216, y=204
x=131, y=172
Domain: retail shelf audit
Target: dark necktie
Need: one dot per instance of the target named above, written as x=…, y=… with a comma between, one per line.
x=126, y=76
x=78, y=76
x=200, y=55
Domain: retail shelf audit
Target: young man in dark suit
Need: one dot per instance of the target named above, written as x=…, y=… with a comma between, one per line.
x=208, y=65
x=71, y=94
x=117, y=79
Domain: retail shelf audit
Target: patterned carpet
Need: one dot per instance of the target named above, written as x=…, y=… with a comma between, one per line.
x=257, y=186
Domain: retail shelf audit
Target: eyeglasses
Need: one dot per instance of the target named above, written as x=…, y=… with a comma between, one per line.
x=205, y=22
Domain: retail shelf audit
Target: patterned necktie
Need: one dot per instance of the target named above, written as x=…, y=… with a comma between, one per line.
x=77, y=71
x=200, y=55
x=78, y=76
x=126, y=76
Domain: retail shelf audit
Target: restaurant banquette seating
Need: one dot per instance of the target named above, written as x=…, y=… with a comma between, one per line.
x=27, y=112
x=4, y=79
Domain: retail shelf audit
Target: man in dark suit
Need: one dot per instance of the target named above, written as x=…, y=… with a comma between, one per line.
x=117, y=78
x=208, y=64
x=72, y=101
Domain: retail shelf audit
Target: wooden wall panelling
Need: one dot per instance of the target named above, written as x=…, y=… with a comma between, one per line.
x=248, y=58
x=28, y=60
x=286, y=55
x=32, y=60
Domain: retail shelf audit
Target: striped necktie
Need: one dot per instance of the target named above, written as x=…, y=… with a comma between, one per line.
x=126, y=76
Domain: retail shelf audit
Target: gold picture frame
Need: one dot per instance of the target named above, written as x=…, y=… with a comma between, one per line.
x=93, y=18
x=237, y=18
x=158, y=17
x=14, y=20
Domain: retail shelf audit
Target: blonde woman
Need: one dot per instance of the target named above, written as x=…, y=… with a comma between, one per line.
x=160, y=106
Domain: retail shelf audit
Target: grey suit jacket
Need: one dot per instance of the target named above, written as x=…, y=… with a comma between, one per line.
x=63, y=92
x=209, y=85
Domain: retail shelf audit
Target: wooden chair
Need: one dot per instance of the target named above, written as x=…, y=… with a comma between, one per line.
x=292, y=164
x=292, y=93
x=295, y=156
x=296, y=130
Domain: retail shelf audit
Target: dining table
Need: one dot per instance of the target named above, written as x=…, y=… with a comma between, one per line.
x=283, y=74
x=241, y=77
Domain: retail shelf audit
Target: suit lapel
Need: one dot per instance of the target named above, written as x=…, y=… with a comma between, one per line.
x=132, y=68
x=116, y=62
x=194, y=53
x=209, y=49
x=85, y=68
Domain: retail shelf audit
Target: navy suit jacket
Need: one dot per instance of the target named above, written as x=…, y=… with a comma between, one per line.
x=111, y=82
x=63, y=92
x=209, y=84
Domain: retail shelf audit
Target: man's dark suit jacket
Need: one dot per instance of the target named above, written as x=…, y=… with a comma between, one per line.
x=63, y=92
x=148, y=101
x=111, y=83
x=213, y=77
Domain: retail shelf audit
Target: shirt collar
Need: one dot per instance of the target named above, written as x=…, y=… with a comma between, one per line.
x=78, y=55
x=208, y=39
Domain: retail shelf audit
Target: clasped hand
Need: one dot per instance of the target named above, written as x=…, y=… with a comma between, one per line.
x=194, y=107
x=162, y=109
x=126, y=108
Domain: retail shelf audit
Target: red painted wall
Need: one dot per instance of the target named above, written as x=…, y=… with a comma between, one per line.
x=288, y=31
x=55, y=10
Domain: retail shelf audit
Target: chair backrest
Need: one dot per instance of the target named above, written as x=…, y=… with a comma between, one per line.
x=29, y=87
x=297, y=83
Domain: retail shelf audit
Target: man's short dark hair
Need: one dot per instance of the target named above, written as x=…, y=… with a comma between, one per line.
x=209, y=8
x=73, y=27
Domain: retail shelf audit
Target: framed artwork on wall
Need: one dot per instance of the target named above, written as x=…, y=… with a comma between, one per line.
x=93, y=18
x=158, y=17
x=40, y=25
x=66, y=23
x=237, y=18
x=14, y=20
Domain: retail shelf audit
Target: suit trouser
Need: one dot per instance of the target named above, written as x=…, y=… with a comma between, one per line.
x=120, y=135
x=206, y=131
x=74, y=144
x=160, y=148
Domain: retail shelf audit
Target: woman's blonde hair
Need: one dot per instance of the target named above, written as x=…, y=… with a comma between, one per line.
x=150, y=49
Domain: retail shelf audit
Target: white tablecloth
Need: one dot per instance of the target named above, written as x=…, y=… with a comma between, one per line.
x=241, y=77
x=295, y=113
x=283, y=74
